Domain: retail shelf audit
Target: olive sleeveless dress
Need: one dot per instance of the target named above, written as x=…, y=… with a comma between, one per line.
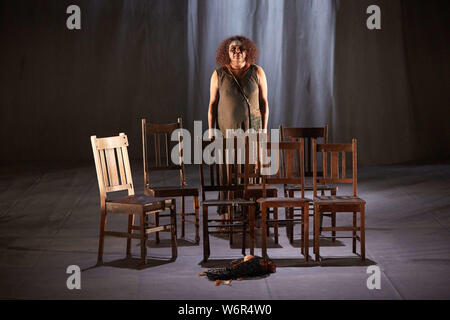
x=233, y=110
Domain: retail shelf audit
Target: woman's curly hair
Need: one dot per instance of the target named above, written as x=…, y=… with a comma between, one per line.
x=250, y=47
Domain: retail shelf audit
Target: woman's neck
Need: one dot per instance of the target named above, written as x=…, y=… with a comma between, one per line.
x=238, y=66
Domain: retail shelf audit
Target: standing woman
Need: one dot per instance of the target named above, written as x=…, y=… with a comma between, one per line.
x=228, y=106
x=238, y=91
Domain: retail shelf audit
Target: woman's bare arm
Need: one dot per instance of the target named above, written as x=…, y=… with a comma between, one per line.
x=213, y=100
x=263, y=101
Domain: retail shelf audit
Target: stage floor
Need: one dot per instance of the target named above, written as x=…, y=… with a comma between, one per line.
x=49, y=219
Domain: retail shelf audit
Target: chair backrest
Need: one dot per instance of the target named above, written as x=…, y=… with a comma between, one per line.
x=152, y=134
x=292, y=154
x=112, y=164
x=337, y=168
x=237, y=179
x=295, y=133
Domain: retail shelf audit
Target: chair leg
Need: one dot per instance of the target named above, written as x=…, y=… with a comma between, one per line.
x=306, y=232
x=317, y=215
x=290, y=225
x=314, y=229
x=197, y=221
x=143, y=237
x=302, y=235
x=251, y=218
x=333, y=225
x=205, y=234
x=244, y=231
x=101, y=239
x=321, y=223
x=230, y=222
x=182, y=217
x=362, y=234
x=130, y=232
x=156, y=221
x=275, y=229
x=354, y=233
x=263, y=234
x=173, y=222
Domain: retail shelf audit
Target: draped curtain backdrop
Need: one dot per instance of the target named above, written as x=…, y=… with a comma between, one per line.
x=139, y=58
x=296, y=50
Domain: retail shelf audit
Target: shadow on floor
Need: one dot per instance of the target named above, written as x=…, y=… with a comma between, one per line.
x=133, y=263
x=237, y=244
x=299, y=262
x=216, y=263
x=354, y=261
x=322, y=243
x=279, y=263
x=294, y=263
x=166, y=243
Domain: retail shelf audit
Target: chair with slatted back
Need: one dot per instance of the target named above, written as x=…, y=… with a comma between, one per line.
x=114, y=174
x=295, y=133
x=152, y=134
x=334, y=203
x=255, y=187
x=293, y=154
x=210, y=182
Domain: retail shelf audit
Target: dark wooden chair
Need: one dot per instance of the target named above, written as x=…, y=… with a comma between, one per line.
x=293, y=154
x=255, y=187
x=153, y=134
x=294, y=134
x=114, y=174
x=235, y=184
x=334, y=203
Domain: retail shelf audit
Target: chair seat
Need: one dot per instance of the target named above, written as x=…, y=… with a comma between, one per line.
x=309, y=187
x=218, y=202
x=171, y=191
x=259, y=187
x=146, y=202
x=338, y=200
x=283, y=201
x=256, y=191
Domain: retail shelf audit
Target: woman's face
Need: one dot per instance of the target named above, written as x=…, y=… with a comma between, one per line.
x=237, y=52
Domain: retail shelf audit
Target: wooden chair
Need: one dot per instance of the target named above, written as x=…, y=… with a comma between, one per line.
x=294, y=134
x=210, y=182
x=335, y=203
x=293, y=154
x=255, y=187
x=152, y=133
x=114, y=174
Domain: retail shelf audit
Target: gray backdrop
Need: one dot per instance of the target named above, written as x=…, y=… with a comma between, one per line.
x=131, y=59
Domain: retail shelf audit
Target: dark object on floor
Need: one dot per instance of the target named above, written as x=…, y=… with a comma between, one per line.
x=250, y=266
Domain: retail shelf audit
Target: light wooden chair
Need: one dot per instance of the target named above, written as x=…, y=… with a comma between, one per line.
x=293, y=154
x=341, y=203
x=152, y=132
x=307, y=133
x=114, y=174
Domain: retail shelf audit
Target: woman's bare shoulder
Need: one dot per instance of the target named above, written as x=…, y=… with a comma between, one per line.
x=259, y=69
x=260, y=73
